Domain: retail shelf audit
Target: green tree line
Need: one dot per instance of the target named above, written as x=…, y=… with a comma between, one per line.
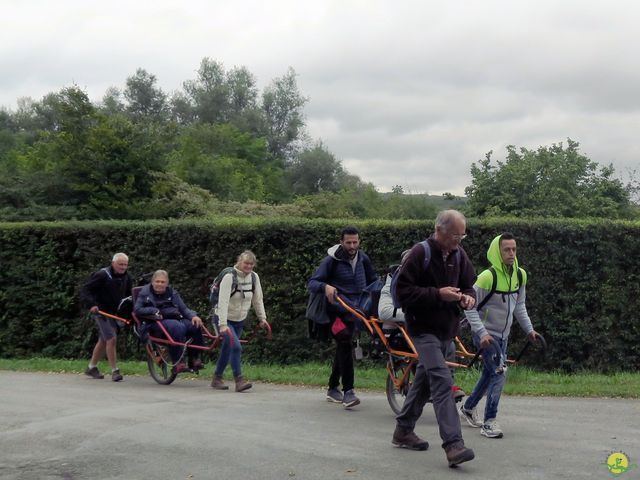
x=220, y=146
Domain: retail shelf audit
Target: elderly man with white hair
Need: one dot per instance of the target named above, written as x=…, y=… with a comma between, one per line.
x=435, y=280
x=104, y=291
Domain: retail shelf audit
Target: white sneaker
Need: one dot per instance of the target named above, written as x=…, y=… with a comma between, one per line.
x=470, y=416
x=491, y=429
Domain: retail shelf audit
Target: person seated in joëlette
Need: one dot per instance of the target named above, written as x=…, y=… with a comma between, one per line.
x=158, y=302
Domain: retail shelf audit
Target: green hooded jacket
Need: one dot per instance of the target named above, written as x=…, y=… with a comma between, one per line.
x=508, y=301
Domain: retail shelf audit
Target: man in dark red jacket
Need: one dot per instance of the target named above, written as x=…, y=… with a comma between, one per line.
x=435, y=280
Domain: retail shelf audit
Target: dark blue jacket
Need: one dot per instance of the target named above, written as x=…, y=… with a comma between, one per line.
x=149, y=303
x=337, y=272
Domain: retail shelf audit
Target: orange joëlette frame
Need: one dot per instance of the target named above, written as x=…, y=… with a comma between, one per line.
x=373, y=325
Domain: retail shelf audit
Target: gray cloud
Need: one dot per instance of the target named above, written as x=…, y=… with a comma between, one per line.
x=407, y=93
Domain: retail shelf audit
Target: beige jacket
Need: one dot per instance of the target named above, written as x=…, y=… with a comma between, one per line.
x=235, y=308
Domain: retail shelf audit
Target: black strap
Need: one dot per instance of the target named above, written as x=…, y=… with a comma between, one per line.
x=235, y=285
x=494, y=286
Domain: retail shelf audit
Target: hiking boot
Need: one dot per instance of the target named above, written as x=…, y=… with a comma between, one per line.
x=458, y=393
x=470, y=416
x=491, y=429
x=218, y=383
x=180, y=367
x=349, y=399
x=404, y=438
x=116, y=376
x=196, y=364
x=458, y=453
x=93, y=372
x=334, y=395
x=242, y=384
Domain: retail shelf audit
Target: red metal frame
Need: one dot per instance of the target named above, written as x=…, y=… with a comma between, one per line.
x=168, y=340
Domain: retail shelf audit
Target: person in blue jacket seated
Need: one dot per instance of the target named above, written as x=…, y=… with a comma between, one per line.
x=158, y=302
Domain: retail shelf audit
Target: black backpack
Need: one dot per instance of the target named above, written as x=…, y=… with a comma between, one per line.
x=214, y=291
x=494, y=286
x=425, y=265
x=370, y=298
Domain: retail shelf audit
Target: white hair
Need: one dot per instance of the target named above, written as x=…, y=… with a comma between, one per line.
x=160, y=273
x=447, y=217
x=120, y=255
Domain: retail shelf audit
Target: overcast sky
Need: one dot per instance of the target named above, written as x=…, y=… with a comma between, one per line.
x=405, y=93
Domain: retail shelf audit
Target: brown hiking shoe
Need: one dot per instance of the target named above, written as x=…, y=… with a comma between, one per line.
x=116, y=376
x=242, y=384
x=404, y=438
x=93, y=372
x=218, y=383
x=458, y=453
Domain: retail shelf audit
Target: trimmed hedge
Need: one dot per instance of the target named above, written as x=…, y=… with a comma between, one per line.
x=584, y=279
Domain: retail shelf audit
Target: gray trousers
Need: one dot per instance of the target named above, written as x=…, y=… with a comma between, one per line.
x=433, y=379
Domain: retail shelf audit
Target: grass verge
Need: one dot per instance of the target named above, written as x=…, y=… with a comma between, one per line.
x=521, y=380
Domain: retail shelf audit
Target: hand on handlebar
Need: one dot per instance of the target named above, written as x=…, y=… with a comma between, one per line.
x=196, y=321
x=486, y=341
x=94, y=309
x=263, y=324
x=223, y=329
x=330, y=292
x=533, y=337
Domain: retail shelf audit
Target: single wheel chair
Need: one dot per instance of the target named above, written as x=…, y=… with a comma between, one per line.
x=157, y=346
x=402, y=357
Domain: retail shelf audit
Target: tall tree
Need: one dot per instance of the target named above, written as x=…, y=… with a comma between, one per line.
x=112, y=101
x=220, y=158
x=315, y=170
x=549, y=182
x=282, y=104
x=181, y=109
x=145, y=100
x=243, y=93
x=97, y=163
x=209, y=92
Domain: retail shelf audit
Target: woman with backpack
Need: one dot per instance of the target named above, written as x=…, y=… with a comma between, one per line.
x=237, y=289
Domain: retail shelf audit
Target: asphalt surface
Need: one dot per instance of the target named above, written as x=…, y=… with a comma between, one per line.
x=64, y=426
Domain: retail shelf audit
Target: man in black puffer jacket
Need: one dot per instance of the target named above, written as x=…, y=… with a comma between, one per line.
x=346, y=270
x=104, y=291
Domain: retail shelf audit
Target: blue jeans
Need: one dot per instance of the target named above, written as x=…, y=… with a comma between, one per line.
x=492, y=379
x=231, y=353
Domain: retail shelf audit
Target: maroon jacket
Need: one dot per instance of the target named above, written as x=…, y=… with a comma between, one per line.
x=417, y=290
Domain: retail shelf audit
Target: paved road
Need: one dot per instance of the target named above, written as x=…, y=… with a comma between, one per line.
x=63, y=426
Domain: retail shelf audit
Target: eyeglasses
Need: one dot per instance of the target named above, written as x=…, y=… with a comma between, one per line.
x=459, y=237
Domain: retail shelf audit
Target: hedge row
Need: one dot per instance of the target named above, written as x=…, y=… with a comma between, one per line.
x=583, y=290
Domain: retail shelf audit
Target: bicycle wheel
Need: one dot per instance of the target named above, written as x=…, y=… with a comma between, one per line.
x=397, y=394
x=159, y=363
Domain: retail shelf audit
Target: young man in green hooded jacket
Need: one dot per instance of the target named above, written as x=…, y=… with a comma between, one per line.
x=501, y=294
